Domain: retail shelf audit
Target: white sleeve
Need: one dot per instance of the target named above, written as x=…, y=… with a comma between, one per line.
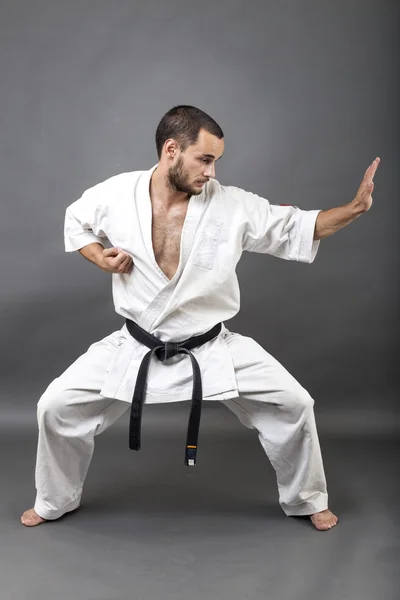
x=283, y=231
x=85, y=220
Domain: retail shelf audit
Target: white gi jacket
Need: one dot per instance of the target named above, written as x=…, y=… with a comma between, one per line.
x=220, y=223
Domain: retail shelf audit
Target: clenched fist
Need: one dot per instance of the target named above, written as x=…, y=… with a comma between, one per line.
x=115, y=260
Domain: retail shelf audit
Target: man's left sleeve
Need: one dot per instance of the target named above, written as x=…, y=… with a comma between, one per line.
x=283, y=231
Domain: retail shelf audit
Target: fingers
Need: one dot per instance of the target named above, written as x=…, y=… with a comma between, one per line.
x=120, y=261
x=126, y=265
x=370, y=172
x=111, y=251
x=374, y=167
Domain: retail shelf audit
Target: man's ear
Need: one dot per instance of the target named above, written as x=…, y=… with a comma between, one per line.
x=171, y=148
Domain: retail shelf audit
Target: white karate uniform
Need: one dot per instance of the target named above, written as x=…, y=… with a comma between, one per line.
x=96, y=389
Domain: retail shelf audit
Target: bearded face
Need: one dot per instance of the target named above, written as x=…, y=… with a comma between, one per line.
x=194, y=166
x=180, y=179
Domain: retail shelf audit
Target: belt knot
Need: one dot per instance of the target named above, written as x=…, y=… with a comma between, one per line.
x=167, y=350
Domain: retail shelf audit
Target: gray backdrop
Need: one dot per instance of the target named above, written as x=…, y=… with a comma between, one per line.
x=307, y=95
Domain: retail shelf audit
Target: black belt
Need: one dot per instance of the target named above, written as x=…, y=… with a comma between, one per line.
x=163, y=351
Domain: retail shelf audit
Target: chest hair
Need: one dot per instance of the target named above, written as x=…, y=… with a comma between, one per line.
x=166, y=236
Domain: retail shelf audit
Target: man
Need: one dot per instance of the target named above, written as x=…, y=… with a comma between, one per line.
x=176, y=237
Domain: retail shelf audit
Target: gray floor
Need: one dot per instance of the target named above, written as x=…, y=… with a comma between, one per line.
x=152, y=529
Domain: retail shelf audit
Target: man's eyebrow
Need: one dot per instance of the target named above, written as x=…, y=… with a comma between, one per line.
x=210, y=156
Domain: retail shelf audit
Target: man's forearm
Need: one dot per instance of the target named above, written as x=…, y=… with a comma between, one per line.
x=110, y=260
x=330, y=221
x=93, y=252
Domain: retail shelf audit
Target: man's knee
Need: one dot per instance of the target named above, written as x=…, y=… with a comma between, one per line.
x=298, y=399
x=52, y=405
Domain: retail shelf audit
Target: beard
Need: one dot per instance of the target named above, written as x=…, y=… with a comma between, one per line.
x=178, y=179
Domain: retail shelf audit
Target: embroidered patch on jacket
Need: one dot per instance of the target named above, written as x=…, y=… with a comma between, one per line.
x=204, y=257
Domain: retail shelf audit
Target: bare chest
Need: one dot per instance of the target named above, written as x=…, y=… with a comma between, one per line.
x=166, y=237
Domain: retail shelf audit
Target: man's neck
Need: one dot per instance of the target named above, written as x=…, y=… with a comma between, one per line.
x=161, y=191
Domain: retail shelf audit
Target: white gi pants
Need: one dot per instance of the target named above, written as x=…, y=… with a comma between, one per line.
x=71, y=412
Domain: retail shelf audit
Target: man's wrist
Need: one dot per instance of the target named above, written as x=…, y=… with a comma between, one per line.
x=356, y=207
x=332, y=220
x=94, y=253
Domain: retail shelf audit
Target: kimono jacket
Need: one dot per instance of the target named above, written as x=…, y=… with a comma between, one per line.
x=221, y=222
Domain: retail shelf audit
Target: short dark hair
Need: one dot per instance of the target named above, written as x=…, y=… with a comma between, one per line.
x=183, y=124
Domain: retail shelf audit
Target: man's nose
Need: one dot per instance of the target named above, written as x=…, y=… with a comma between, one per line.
x=210, y=171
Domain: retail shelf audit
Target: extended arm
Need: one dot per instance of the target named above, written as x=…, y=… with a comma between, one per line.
x=330, y=221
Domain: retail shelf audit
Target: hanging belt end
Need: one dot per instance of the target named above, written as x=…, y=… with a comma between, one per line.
x=190, y=457
x=134, y=441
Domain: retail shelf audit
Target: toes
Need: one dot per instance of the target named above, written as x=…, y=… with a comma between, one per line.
x=30, y=519
x=324, y=521
x=29, y=522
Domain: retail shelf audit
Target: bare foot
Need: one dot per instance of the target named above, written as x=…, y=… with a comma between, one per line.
x=324, y=520
x=30, y=518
